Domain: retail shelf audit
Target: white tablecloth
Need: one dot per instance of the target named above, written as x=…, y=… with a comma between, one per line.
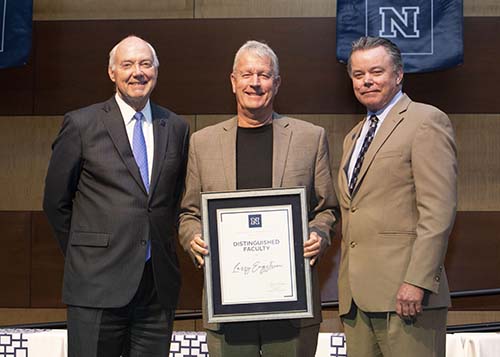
x=33, y=343
x=476, y=344
x=53, y=343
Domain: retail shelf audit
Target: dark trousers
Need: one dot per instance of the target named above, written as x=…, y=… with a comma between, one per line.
x=139, y=329
x=277, y=338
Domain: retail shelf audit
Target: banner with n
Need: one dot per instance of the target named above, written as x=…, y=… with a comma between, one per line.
x=429, y=33
x=15, y=32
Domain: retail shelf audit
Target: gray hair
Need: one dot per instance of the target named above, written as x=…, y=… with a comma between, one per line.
x=261, y=50
x=112, y=53
x=367, y=43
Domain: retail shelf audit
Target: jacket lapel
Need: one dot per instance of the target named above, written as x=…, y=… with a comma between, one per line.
x=390, y=123
x=282, y=135
x=113, y=121
x=160, y=133
x=346, y=159
x=228, y=151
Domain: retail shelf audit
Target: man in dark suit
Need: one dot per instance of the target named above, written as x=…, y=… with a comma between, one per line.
x=397, y=192
x=111, y=196
x=259, y=148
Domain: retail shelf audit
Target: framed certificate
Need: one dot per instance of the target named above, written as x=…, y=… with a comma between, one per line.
x=255, y=269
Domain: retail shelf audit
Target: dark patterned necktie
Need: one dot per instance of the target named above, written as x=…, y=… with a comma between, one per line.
x=366, y=144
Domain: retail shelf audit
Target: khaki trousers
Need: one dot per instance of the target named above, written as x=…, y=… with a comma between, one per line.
x=387, y=335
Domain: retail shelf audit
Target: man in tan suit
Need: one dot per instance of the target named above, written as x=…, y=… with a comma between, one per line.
x=397, y=183
x=260, y=149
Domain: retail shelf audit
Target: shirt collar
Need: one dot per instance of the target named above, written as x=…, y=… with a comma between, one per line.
x=128, y=112
x=382, y=113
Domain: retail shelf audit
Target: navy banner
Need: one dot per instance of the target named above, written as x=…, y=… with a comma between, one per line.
x=428, y=32
x=15, y=32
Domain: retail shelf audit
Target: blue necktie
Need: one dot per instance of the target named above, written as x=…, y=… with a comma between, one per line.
x=364, y=148
x=141, y=158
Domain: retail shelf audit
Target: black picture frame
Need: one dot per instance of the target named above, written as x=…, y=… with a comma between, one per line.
x=295, y=199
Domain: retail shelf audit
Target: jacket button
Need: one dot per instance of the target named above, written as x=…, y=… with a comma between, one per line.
x=353, y=244
x=437, y=278
x=354, y=209
x=143, y=242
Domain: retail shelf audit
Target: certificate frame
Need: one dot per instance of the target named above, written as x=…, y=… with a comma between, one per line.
x=290, y=206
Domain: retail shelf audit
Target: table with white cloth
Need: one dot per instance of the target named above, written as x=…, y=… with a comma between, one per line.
x=53, y=343
x=33, y=343
x=474, y=344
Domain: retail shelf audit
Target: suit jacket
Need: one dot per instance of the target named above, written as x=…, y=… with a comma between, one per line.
x=101, y=213
x=396, y=223
x=300, y=158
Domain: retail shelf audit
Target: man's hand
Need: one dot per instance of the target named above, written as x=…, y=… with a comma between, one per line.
x=409, y=301
x=199, y=249
x=312, y=247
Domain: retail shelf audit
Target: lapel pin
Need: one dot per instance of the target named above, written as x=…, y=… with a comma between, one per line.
x=162, y=122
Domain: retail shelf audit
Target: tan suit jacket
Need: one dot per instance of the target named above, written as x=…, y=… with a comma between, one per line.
x=300, y=158
x=396, y=224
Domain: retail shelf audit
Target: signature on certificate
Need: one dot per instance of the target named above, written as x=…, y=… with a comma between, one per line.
x=255, y=268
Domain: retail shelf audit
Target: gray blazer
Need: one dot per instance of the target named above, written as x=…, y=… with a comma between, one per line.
x=300, y=158
x=101, y=213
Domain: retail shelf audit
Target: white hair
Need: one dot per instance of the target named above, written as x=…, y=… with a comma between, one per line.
x=260, y=49
x=112, y=53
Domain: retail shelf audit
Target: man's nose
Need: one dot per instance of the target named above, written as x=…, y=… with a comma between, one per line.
x=137, y=69
x=255, y=80
x=368, y=80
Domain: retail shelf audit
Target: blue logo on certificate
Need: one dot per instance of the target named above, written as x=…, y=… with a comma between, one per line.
x=254, y=220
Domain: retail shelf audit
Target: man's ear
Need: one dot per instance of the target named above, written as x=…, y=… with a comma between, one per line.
x=233, y=82
x=111, y=74
x=277, y=83
x=399, y=78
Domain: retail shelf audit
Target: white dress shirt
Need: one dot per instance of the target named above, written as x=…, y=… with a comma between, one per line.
x=381, y=114
x=147, y=127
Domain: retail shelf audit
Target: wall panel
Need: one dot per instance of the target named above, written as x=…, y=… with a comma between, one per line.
x=155, y=9
x=26, y=141
x=32, y=263
x=481, y=8
x=264, y=8
x=472, y=260
x=196, y=59
x=15, y=316
x=479, y=167
x=24, y=151
x=15, y=258
x=118, y=9
x=203, y=121
x=18, y=89
x=67, y=70
x=47, y=264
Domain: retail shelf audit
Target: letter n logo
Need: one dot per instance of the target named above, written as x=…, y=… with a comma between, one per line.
x=404, y=22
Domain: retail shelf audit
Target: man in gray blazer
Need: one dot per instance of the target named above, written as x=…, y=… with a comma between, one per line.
x=260, y=149
x=397, y=192
x=111, y=195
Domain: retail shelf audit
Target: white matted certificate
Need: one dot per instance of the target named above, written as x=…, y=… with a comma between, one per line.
x=255, y=269
x=256, y=249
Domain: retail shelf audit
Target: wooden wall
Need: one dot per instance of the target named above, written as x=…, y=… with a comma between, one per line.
x=196, y=41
